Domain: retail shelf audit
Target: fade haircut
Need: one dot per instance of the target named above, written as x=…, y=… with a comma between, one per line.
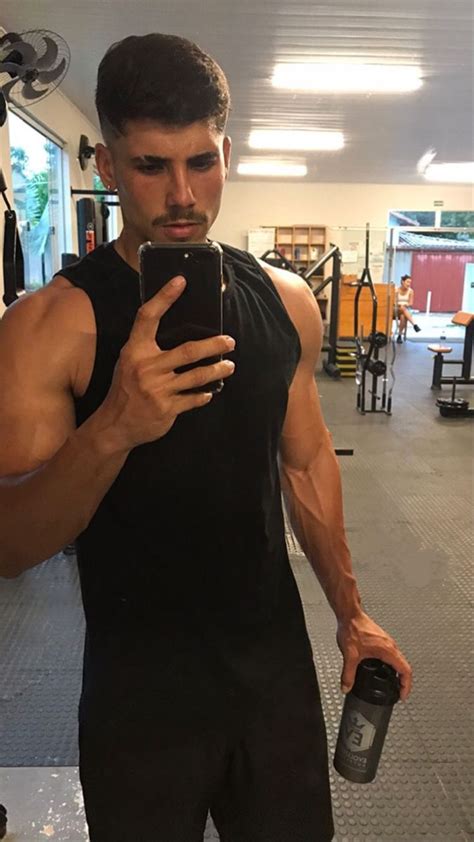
x=159, y=77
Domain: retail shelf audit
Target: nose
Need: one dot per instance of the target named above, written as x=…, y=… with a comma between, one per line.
x=179, y=193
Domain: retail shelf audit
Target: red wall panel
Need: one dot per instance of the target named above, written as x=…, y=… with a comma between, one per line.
x=442, y=273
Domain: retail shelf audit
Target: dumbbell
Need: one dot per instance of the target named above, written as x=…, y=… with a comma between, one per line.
x=376, y=367
x=379, y=339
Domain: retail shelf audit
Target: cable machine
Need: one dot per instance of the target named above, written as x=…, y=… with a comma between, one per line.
x=369, y=364
x=92, y=219
x=329, y=365
x=13, y=262
x=276, y=258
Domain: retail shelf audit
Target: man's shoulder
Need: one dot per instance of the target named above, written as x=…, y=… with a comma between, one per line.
x=53, y=301
x=233, y=254
x=53, y=324
x=289, y=284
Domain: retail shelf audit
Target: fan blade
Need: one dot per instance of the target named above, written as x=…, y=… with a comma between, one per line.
x=50, y=56
x=27, y=52
x=12, y=68
x=29, y=92
x=7, y=88
x=10, y=38
x=51, y=75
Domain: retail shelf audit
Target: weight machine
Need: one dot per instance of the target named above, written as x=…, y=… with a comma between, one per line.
x=92, y=216
x=368, y=359
x=277, y=259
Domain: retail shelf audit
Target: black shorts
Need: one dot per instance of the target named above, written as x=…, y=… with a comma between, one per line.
x=263, y=780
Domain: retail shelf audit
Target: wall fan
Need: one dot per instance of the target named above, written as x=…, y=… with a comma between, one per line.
x=32, y=65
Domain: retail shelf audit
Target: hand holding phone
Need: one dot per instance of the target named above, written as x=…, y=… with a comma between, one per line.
x=147, y=391
x=197, y=314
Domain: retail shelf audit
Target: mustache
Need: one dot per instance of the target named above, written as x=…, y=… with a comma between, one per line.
x=180, y=216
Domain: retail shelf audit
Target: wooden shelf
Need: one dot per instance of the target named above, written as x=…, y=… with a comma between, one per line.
x=302, y=244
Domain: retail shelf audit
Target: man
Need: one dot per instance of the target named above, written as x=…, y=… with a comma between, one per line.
x=199, y=688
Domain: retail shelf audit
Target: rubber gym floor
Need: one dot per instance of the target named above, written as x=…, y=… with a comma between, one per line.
x=408, y=506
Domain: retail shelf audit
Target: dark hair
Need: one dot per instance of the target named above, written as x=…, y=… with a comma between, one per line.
x=404, y=277
x=159, y=77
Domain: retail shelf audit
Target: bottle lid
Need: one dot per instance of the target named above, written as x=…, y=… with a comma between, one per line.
x=376, y=682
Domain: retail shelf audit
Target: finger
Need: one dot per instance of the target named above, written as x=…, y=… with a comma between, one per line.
x=400, y=665
x=149, y=314
x=351, y=662
x=184, y=403
x=192, y=352
x=204, y=374
x=393, y=659
x=405, y=675
x=348, y=677
x=406, y=683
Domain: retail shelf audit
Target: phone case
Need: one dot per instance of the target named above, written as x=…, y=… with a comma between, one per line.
x=197, y=313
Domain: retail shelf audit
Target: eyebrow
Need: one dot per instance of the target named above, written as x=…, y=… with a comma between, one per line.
x=158, y=161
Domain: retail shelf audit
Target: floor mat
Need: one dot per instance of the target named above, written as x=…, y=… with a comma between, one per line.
x=42, y=634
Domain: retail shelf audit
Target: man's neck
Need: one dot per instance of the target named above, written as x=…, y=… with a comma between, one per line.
x=126, y=245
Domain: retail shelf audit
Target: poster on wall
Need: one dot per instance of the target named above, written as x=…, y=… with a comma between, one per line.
x=260, y=240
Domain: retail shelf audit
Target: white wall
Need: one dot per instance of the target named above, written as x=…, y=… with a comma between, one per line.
x=63, y=119
x=248, y=205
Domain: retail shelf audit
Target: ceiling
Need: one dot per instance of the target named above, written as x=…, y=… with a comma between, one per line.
x=385, y=134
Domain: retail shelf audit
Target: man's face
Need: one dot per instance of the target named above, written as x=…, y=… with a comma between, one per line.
x=169, y=179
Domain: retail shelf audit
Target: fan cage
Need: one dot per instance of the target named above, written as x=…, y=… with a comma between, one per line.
x=36, y=39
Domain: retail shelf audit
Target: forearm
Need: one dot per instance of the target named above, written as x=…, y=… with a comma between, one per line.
x=313, y=497
x=42, y=512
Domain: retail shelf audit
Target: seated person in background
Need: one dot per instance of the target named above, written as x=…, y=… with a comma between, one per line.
x=404, y=301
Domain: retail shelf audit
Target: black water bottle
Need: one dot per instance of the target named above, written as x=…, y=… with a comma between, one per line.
x=365, y=717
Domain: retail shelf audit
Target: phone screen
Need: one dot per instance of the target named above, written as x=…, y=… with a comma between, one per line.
x=197, y=313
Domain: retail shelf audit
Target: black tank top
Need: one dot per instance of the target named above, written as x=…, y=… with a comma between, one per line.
x=184, y=564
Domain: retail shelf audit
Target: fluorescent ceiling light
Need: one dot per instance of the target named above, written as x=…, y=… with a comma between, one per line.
x=425, y=161
x=301, y=140
x=460, y=173
x=347, y=78
x=272, y=168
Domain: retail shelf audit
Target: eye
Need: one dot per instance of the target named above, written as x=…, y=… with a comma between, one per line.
x=203, y=163
x=150, y=168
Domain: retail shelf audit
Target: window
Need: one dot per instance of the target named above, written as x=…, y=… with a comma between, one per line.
x=411, y=218
x=38, y=200
x=457, y=219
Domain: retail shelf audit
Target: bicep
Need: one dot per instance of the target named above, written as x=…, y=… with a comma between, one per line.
x=36, y=405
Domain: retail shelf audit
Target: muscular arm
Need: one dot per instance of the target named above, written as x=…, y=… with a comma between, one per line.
x=312, y=488
x=52, y=475
x=308, y=465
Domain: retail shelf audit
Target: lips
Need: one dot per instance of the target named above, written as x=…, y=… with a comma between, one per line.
x=180, y=230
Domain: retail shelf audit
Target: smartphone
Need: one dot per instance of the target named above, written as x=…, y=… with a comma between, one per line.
x=197, y=313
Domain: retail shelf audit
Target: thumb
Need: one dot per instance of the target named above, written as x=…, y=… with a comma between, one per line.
x=348, y=676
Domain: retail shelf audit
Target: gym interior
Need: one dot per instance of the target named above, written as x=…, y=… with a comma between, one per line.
x=392, y=197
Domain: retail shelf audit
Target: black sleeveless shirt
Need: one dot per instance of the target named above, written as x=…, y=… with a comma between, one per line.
x=184, y=564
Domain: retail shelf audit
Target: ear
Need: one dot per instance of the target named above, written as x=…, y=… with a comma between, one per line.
x=227, y=153
x=105, y=165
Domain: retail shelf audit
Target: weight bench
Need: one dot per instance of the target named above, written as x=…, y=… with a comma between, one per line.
x=467, y=321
